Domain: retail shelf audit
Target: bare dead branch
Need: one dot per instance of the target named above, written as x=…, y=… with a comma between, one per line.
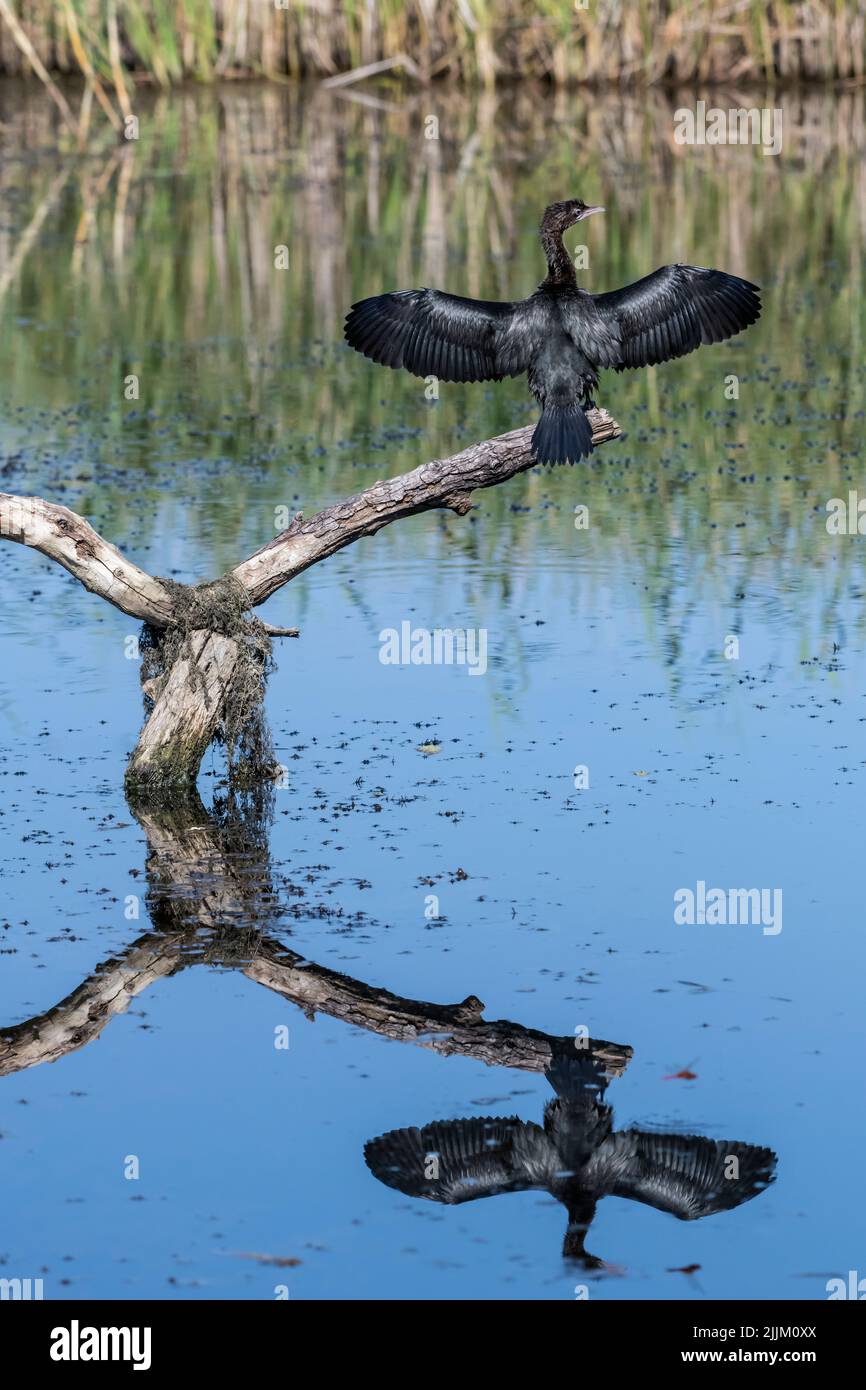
x=192, y=698
x=204, y=894
x=66, y=537
x=443, y=483
x=449, y=1029
x=82, y=1015
x=399, y=60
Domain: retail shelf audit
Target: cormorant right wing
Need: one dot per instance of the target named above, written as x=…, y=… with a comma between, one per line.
x=665, y=315
x=459, y=1160
x=687, y=1175
x=431, y=333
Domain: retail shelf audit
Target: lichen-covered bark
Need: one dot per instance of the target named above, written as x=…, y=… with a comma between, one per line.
x=186, y=712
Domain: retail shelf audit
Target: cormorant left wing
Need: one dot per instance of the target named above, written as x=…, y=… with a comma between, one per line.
x=687, y=1175
x=668, y=314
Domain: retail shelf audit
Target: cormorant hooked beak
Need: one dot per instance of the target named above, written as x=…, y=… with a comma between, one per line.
x=587, y=212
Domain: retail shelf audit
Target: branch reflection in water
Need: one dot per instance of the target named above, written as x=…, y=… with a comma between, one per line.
x=212, y=900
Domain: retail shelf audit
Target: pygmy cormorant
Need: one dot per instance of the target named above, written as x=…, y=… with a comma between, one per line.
x=560, y=336
x=577, y=1157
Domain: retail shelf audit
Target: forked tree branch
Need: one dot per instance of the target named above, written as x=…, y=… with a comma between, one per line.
x=449, y=1029
x=192, y=697
x=206, y=889
x=445, y=482
x=64, y=536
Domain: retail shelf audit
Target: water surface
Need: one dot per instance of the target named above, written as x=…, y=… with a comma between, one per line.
x=606, y=649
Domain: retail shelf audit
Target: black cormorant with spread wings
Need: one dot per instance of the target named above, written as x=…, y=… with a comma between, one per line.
x=561, y=336
x=576, y=1156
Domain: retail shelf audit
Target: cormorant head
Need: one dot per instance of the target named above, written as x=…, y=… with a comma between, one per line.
x=558, y=216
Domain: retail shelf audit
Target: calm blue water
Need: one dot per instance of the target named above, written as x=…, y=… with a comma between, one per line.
x=606, y=649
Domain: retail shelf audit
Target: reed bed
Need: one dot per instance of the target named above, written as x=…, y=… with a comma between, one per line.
x=481, y=41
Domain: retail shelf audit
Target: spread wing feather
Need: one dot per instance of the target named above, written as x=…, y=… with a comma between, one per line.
x=443, y=335
x=460, y=1160
x=685, y=1174
x=665, y=315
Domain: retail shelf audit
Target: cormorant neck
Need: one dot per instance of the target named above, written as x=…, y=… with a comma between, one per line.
x=560, y=267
